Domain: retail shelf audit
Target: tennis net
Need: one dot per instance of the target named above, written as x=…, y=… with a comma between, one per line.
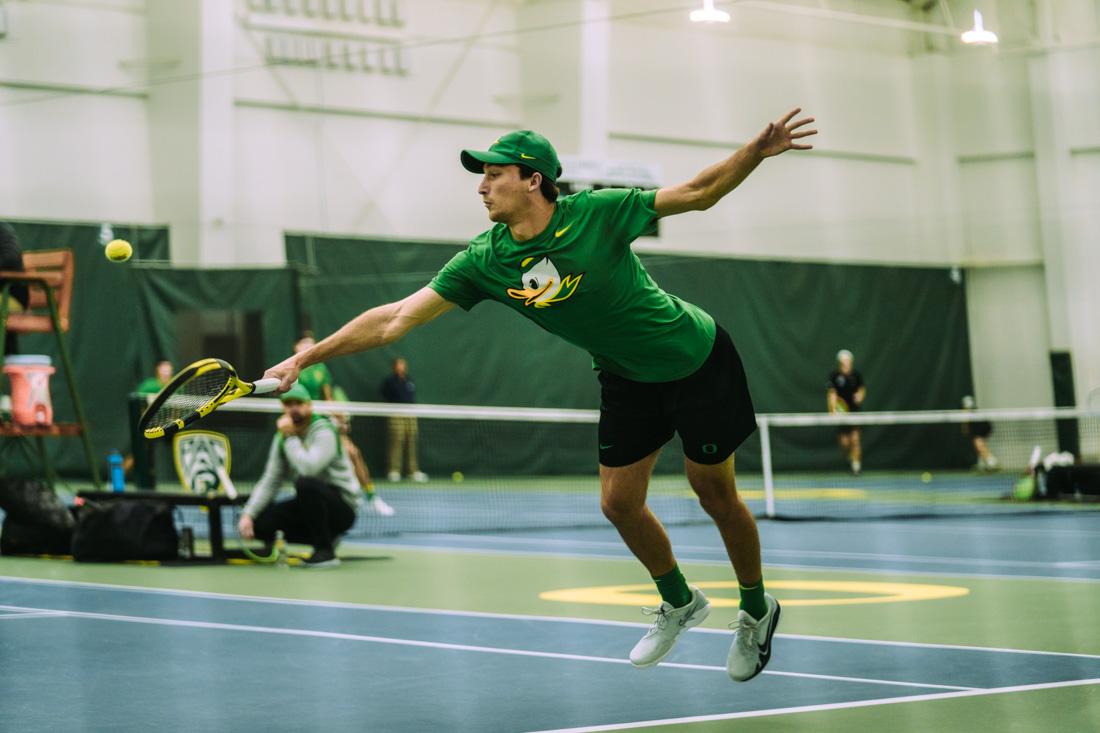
x=494, y=468
x=927, y=463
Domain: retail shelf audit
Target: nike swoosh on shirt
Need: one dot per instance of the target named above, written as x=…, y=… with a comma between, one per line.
x=563, y=230
x=605, y=447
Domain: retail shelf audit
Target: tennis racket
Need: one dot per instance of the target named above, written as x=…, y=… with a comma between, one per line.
x=194, y=393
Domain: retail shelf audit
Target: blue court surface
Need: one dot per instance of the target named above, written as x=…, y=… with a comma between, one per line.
x=129, y=659
x=461, y=632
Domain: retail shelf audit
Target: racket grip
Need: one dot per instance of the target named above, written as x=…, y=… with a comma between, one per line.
x=263, y=386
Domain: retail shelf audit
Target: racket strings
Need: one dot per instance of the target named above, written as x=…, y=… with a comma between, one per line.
x=190, y=396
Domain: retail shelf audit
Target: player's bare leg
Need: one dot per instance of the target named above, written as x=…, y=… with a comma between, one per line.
x=622, y=497
x=986, y=460
x=716, y=487
x=623, y=492
x=362, y=474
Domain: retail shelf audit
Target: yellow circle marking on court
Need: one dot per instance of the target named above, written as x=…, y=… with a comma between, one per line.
x=856, y=593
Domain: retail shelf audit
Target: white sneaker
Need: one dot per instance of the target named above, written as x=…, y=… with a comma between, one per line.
x=752, y=642
x=660, y=639
x=419, y=477
x=393, y=477
x=380, y=507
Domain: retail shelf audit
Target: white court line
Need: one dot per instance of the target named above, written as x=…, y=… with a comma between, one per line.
x=927, y=645
x=30, y=614
x=823, y=707
x=987, y=529
x=1078, y=564
x=938, y=559
x=625, y=557
x=445, y=645
x=490, y=615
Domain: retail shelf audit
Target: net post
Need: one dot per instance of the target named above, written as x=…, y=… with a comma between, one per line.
x=766, y=465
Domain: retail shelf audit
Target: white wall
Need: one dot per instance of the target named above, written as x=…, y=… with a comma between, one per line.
x=70, y=153
x=851, y=199
x=1008, y=336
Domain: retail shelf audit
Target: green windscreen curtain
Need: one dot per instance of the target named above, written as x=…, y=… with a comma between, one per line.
x=123, y=318
x=907, y=327
x=273, y=293
x=104, y=338
x=162, y=293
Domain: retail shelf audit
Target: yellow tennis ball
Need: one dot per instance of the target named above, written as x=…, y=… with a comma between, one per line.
x=118, y=250
x=457, y=476
x=926, y=477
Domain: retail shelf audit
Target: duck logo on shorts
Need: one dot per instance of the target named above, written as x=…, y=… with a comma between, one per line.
x=542, y=285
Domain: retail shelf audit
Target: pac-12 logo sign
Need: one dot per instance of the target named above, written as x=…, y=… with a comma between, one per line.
x=199, y=454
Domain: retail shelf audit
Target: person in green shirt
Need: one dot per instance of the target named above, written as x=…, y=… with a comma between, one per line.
x=150, y=386
x=317, y=381
x=665, y=366
x=162, y=375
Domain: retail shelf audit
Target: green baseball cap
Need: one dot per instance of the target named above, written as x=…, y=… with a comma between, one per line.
x=296, y=392
x=522, y=147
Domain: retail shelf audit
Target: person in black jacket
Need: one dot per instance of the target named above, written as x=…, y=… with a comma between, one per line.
x=403, y=431
x=11, y=260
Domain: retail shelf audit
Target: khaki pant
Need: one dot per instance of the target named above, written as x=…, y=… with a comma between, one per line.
x=402, y=438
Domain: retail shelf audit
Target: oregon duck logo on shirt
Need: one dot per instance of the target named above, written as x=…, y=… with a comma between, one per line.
x=542, y=285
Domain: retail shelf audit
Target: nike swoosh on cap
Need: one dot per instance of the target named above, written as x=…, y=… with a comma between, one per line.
x=526, y=157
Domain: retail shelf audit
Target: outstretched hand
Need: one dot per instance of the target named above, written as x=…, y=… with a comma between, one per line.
x=286, y=372
x=779, y=137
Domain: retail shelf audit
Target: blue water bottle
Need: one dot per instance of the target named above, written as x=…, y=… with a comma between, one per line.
x=114, y=471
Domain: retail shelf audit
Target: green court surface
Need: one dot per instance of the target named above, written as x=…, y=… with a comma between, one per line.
x=917, y=609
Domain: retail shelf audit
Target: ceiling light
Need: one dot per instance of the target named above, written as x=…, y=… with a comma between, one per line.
x=709, y=14
x=979, y=35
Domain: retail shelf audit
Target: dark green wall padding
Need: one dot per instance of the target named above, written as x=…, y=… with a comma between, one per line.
x=105, y=317
x=124, y=319
x=906, y=326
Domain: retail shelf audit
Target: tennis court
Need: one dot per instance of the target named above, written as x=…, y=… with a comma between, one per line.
x=916, y=625
x=349, y=349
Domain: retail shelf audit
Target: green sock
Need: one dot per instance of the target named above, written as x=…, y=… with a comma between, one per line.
x=673, y=588
x=369, y=489
x=752, y=600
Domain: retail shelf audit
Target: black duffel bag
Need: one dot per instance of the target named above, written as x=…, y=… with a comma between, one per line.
x=125, y=530
x=36, y=521
x=19, y=537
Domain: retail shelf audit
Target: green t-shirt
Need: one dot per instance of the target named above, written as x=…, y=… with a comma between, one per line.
x=580, y=280
x=314, y=378
x=151, y=385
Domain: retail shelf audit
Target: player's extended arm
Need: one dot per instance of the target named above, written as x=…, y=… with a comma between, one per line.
x=376, y=327
x=711, y=184
x=860, y=394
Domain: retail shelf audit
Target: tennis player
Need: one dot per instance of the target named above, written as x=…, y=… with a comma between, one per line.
x=844, y=392
x=664, y=365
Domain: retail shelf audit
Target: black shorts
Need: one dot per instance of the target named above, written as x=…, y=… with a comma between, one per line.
x=711, y=409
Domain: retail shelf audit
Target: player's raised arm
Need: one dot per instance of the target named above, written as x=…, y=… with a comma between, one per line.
x=376, y=327
x=711, y=184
